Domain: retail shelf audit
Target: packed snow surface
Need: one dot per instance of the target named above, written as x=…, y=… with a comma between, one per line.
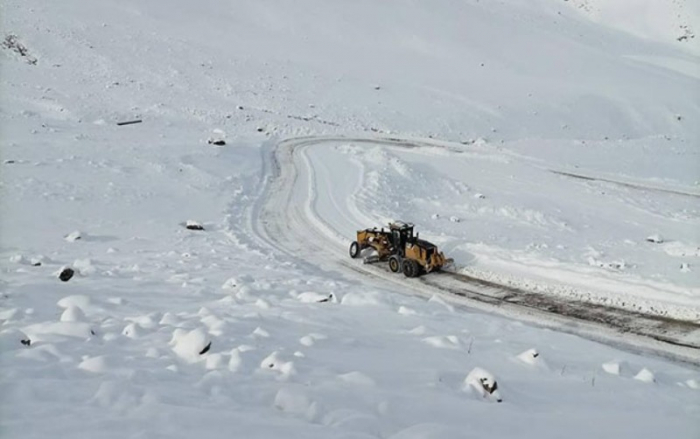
x=548, y=145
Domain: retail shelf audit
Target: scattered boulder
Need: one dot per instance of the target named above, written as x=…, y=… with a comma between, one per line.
x=313, y=297
x=205, y=349
x=531, y=357
x=193, y=225
x=685, y=268
x=218, y=138
x=482, y=383
x=11, y=339
x=12, y=43
x=66, y=274
x=655, y=238
x=73, y=236
x=38, y=261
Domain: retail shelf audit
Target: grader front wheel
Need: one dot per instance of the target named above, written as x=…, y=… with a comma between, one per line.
x=354, y=250
x=394, y=264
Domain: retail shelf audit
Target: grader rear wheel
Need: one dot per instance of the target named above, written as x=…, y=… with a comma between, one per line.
x=410, y=268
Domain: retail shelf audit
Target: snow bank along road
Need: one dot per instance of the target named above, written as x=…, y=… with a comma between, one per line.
x=307, y=213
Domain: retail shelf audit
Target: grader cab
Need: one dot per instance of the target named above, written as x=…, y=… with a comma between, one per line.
x=398, y=245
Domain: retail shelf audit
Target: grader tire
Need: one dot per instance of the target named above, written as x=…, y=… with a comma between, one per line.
x=394, y=264
x=354, y=250
x=410, y=268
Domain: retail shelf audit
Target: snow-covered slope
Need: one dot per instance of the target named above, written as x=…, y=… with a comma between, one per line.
x=664, y=21
x=166, y=331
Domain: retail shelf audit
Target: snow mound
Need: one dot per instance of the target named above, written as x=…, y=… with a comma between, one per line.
x=428, y=431
x=82, y=302
x=84, y=266
x=655, y=238
x=645, y=376
x=61, y=329
x=96, y=364
x=532, y=357
x=18, y=259
x=612, y=367
x=190, y=345
x=234, y=283
x=313, y=297
x=260, y=332
x=368, y=298
x=146, y=321
x=273, y=362
x=235, y=360
x=11, y=339
x=295, y=401
x=169, y=319
x=439, y=301
x=418, y=330
x=215, y=325
x=132, y=330
x=73, y=236
x=357, y=378
x=214, y=361
x=405, y=311
x=443, y=341
x=73, y=314
x=360, y=424
x=482, y=383
x=8, y=314
x=116, y=394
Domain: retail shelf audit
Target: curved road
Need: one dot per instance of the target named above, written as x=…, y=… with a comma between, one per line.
x=285, y=218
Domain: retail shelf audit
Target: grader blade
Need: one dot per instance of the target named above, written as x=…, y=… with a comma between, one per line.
x=371, y=259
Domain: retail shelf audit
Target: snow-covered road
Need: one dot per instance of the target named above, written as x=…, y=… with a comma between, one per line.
x=564, y=184
x=309, y=211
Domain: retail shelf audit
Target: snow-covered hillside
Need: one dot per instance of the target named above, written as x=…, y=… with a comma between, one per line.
x=547, y=145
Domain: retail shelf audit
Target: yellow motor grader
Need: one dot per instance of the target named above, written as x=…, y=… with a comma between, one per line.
x=404, y=251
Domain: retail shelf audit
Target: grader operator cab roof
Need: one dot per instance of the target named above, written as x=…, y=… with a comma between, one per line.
x=400, y=225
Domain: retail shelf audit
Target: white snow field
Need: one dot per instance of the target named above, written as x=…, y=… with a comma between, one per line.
x=549, y=146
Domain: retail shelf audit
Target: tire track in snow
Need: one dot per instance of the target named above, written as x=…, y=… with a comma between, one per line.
x=287, y=220
x=639, y=186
